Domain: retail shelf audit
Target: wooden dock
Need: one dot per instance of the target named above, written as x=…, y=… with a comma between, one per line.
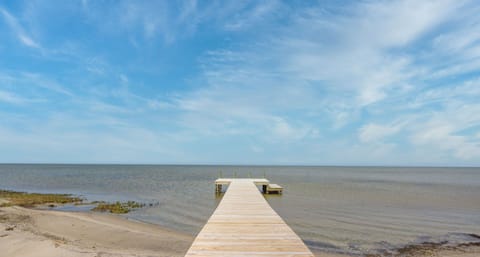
x=244, y=224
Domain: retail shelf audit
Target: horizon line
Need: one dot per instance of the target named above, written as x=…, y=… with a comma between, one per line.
x=243, y=165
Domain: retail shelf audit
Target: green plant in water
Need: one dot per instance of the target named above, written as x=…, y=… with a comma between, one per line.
x=32, y=199
x=117, y=207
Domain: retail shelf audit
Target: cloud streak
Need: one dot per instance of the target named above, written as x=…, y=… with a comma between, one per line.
x=341, y=65
x=366, y=82
x=19, y=31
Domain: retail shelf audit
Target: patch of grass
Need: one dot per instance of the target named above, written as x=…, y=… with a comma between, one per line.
x=32, y=199
x=117, y=207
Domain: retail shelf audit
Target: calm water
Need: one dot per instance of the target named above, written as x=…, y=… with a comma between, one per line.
x=351, y=210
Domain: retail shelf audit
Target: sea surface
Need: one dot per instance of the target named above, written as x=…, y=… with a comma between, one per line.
x=353, y=210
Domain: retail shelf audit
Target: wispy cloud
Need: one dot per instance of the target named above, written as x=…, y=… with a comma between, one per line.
x=326, y=69
x=361, y=51
x=359, y=82
x=20, y=32
x=306, y=69
x=8, y=97
x=444, y=131
x=46, y=83
x=29, y=81
x=254, y=16
x=372, y=133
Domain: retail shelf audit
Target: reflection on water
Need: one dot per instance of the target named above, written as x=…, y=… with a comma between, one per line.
x=340, y=209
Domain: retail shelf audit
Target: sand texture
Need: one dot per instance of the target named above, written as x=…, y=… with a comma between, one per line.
x=37, y=233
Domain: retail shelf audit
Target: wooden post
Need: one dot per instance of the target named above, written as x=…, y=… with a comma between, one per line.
x=264, y=189
x=218, y=188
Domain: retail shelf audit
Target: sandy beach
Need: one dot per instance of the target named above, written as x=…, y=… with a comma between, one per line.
x=38, y=233
x=43, y=233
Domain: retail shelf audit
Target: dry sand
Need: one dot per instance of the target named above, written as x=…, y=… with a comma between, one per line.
x=38, y=233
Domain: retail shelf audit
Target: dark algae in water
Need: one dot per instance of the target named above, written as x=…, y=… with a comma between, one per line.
x=32, y=199
x=117, y=207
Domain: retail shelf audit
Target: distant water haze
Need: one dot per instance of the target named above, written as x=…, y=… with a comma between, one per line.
x=337, y=209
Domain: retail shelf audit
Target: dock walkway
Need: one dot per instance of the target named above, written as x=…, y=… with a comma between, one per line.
x=244, y=224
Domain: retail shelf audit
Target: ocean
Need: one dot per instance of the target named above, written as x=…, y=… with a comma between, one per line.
x=352, y=210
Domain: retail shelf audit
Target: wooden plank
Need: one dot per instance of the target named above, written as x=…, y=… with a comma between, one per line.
x=244, y=224
x=274, y=186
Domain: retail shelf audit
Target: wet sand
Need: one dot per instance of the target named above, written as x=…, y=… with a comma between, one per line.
x=37, y=233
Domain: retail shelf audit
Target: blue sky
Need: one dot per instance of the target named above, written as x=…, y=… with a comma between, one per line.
x=240, y=82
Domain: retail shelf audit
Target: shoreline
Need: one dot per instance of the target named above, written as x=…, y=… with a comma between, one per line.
x=30, y=232
x=37, y=232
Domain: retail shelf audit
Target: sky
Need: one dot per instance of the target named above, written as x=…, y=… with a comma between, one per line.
x=240, y=82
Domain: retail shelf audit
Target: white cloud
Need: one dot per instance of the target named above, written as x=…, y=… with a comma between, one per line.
x=444, y=130
x=456, y=69
x=18, y=29
x=358, y=52
x=145, y=20
x=283, y=131
x=465, y=91
x=320, y=64
x=102, y=107
x=28, y=41
x=301, y=68
x=173, y=21
x=443, y=137
x=26, y=82
x=395, y=23
x=11, y=98
x=311, y=82
x=372, y=133
x=96, y=65
x=44, y=82
x=244, y=19
x=357, y=61
x=457, y=43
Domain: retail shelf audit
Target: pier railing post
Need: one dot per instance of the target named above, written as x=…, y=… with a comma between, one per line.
x=218, y=188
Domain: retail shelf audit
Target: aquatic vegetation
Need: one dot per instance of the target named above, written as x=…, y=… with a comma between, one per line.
x=24, y=199
x=13, y=198
x=117, y=207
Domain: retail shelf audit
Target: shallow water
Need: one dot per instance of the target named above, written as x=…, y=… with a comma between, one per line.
x=351, y=210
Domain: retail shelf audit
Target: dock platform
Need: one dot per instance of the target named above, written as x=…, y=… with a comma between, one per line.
x=274, y=189
x=244, y=224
